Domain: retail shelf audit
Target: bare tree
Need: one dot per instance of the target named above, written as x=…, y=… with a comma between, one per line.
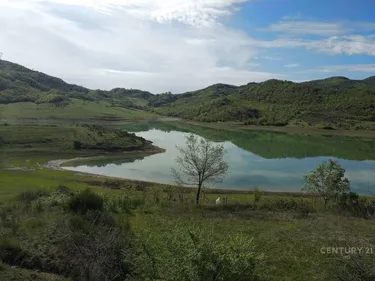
x=200, y=162
x=328, y=180
x=1, y=55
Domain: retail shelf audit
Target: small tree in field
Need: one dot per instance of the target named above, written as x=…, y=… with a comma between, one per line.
x=328, y=180
x=200, y=162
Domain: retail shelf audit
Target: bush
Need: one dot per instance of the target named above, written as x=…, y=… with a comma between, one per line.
x=290, y=204
x=84, y=201
x=29, y=196
x=188, y=256
x=91, y=247
x=357, y=268
x=257, y=195
x=62, y=189
x=11, y=253
x=352, y=204
x=77, y=145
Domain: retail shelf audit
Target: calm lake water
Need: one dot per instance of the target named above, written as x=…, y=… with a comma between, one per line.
x=268, y=160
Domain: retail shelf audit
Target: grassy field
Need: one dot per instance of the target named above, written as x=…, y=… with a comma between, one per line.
x=75, y=110
x=286, y=236
x=291, y=240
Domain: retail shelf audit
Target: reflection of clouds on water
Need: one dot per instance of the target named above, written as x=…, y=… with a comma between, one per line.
x=246, y=169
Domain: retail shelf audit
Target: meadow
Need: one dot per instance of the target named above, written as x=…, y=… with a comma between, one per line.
x=161, y=233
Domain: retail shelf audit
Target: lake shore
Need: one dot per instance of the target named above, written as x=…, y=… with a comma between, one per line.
x=216, y=125
x=108, y=181
x=286, y=129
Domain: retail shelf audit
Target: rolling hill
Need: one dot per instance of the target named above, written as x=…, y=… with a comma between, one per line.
x=332, y=102
x=335, y=102
x=25, y=93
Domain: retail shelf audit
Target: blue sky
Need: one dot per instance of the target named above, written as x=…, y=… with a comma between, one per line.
x=183, y=45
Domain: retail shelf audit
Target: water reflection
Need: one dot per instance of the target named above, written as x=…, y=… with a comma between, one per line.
x=275, y=162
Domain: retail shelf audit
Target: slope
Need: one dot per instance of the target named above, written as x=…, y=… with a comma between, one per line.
x=333, y=102
x=25, y=93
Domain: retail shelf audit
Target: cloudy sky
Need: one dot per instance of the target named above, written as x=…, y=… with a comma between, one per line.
x=182, y=45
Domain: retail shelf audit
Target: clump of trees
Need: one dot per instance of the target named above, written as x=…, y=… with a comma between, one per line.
x=200, y=162
x=328, y=180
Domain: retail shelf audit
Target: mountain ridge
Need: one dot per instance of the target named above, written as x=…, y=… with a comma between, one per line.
x=331, y=102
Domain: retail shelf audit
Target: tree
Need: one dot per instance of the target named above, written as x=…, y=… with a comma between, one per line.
x=200, y=162
x=328, y=179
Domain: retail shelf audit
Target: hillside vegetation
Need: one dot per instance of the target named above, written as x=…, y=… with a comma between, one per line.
x=25, y=93
x=335, y=102
x=332, y=102
x=39, y=142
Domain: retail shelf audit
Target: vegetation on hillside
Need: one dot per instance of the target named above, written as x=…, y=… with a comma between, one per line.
x=25, y=93
x=335, y=102
x=53, y=139
x=328, y=103
x=155, y=232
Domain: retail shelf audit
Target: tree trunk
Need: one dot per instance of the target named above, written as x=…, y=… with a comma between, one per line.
x=199, y=192
x=325, y=204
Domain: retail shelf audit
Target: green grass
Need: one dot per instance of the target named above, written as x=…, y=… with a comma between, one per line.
x=66, y=138
x=290, y=239
x=75, y=110
x=291, y=244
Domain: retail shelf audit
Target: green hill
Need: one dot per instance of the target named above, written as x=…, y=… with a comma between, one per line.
x=332, y=102
x=25, y=93
x=335, y=102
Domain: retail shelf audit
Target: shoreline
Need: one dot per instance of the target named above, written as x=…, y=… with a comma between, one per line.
x=214, y=125
x=103, y=180
x=285, y=129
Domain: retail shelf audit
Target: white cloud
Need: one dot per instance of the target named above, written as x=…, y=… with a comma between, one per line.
x=304, y=27
x=83, y=45
x=319, y=28
x=350, y=45
x=348, y=68
x=292, y=65
x=192, y=12
x=334, y=45
x=268, y=58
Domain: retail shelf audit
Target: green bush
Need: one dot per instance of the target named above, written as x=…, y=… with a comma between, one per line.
x=91, y=248
x=77, y=145
x=356, y=268
x=191, y=256
x=84, y=201
x=29, y=196
x=257, y=195
x=10, y=253
x=352, y=204
x=290, y=204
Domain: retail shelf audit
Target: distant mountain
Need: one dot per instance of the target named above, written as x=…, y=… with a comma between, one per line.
x=20, y=84
x=370, y=80
x=332, y=102
x=327, y=103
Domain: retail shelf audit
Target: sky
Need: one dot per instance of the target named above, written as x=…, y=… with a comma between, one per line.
x=185, y=45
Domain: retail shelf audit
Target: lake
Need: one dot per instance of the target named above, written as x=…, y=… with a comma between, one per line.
x=268, y=160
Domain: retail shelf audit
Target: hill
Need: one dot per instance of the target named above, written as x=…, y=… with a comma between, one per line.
x=25, y=93
x=335, y=102
x=332, y=102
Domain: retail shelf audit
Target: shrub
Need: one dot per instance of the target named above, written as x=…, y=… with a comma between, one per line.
x=192, y=256
x=257, y=195
x=92, y=246
x=84, y=201
x=62, y=189
x=289, y=204
x=29, y=196
x=77, y=145
x=11, y=253
x=352, y=204
x=356, y=268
